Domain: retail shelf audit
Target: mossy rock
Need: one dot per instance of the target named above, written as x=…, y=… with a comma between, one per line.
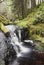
x=3, y=28
x=3, y=22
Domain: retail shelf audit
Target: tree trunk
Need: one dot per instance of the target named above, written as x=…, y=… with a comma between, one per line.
x=24, y=8
x=33, y=3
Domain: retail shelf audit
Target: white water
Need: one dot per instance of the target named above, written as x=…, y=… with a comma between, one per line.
x=19, y=35
x=19, y=47
x=17, y=44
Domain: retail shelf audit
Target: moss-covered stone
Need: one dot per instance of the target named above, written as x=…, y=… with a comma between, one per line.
x=3, y=22
x=3, y=28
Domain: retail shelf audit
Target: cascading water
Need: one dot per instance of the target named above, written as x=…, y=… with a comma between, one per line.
x=14, y=42
x=22, y=50
x=17, y=44
x=19, y=35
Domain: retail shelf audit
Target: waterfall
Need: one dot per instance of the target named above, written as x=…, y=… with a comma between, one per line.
x=19, y=46
x=15, y=50
x=15, y=45
x=19, y=31
x=15, y=40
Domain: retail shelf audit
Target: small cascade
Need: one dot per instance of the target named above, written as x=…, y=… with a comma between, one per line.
x=15, y=47
x=20, y=47
x=15, y=42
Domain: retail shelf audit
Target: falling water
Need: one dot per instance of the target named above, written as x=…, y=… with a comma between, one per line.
x=19, y=35
x=22, y=50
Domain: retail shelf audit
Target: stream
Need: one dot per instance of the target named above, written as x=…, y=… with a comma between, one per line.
x=13, y=50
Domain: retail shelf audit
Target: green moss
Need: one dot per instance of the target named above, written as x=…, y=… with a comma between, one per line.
x=35, y=22
x=4, y=20
x=3, y=28
x=36, y=12
x=39, y=48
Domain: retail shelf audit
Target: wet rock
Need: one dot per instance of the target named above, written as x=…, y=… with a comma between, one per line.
x=24, y=33
x=10, y=55
x=7, y=52
x=2, y=48
x=7, y=34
